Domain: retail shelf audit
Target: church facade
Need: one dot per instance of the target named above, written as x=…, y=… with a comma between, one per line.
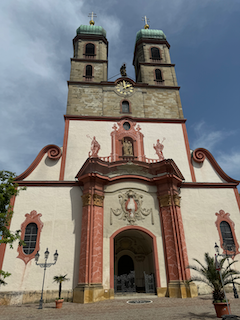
x=125, y=201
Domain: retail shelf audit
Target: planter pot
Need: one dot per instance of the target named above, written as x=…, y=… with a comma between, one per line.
x=221, y=308
x=59, y=303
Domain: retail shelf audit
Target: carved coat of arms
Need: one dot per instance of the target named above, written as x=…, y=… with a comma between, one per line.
x=131, y=207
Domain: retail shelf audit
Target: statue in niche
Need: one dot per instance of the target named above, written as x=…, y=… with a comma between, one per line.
x=123, y=70
x=127, y=148
x=159, y=148
x=95, y=147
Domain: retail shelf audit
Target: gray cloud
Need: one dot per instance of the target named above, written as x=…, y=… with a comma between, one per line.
x=36, y=46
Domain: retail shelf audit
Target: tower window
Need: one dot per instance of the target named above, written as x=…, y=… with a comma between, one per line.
x=90, y=49
x=158, y=75
x=227, y=235
x=30, y=238
x=88, y=71
x=155, y=54
x=125, y=106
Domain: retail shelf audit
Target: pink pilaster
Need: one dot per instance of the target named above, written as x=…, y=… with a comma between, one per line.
x=85, y=246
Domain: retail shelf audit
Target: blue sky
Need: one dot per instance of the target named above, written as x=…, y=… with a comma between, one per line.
x=36, y=46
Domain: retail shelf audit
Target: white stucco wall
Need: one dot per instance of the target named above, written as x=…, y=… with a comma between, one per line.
x=198, y=207
x=61, y=217
x=79, y=145
x=46, y=170
x=205, y=172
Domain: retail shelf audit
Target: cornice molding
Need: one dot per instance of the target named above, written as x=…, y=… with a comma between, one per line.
x=208, y=185
x=112, y=84
x=106, y=118
x=93, y=37
x=89, y=60
x=41, y=183
x=157, y=64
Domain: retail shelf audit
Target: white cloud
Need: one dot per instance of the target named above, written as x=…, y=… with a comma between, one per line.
x=36, y=45
x=207, y=137
x=230, y=163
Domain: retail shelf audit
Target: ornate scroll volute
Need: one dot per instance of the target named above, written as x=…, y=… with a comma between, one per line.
x=165, y=200
x=98, y=200
x=177, y=200
x=86, y=199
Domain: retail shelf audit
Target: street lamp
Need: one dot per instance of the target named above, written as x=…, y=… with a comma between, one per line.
x=226, y=255
x=44, y=265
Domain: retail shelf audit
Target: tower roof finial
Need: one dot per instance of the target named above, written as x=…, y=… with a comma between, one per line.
x=92, y=15
x=146, y=20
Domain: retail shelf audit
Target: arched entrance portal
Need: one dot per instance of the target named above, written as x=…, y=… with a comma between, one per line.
x=134, y=269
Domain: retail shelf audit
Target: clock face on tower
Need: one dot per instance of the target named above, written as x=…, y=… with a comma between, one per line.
x=124, y=88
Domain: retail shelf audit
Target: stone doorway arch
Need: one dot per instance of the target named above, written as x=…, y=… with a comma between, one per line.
x=136, y=247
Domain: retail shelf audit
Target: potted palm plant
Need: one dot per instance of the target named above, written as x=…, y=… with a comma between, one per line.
x=59, y=279
x=210, y=276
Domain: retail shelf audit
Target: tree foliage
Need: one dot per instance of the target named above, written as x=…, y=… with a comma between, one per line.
x=8, y=189
x=210, y=276
x=3, y=275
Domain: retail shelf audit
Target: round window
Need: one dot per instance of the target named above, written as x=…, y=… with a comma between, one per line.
x=126, y=125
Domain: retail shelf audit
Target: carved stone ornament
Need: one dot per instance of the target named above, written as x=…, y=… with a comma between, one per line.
x=98, y=200
x=131, y=208
x=165, y=201
x=176, y=200
x=86, y=199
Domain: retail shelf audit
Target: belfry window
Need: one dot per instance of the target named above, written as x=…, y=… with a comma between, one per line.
x=125, y=107
x=88, y=71
x=30, y=238
x=155, y=54
x=158, y=75
x=90, y=49
x=227, y=236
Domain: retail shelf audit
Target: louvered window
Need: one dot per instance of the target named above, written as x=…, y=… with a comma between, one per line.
x=90, y=49
x=88, y=71
x=158, y=75
x=155, y=54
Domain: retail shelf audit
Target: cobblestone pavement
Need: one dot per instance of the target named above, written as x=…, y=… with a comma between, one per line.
x=199, y=308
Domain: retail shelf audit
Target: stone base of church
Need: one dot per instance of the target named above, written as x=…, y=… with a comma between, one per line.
x=182, y=289
x=162, y=292
x=21, y=297
x=84, y=293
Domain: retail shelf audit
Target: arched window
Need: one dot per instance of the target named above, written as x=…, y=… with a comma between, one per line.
x=90, y=49
x=89, y=71
x=155, y=54
x=158, y=75
x=125, y=106
x=227, y=236
x=30, y=238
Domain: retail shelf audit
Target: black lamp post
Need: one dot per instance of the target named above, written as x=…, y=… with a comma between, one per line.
x=45, y=265
x=226, y=248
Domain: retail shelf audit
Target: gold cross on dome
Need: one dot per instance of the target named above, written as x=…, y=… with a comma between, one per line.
x=92, y=15
x=146, y=20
